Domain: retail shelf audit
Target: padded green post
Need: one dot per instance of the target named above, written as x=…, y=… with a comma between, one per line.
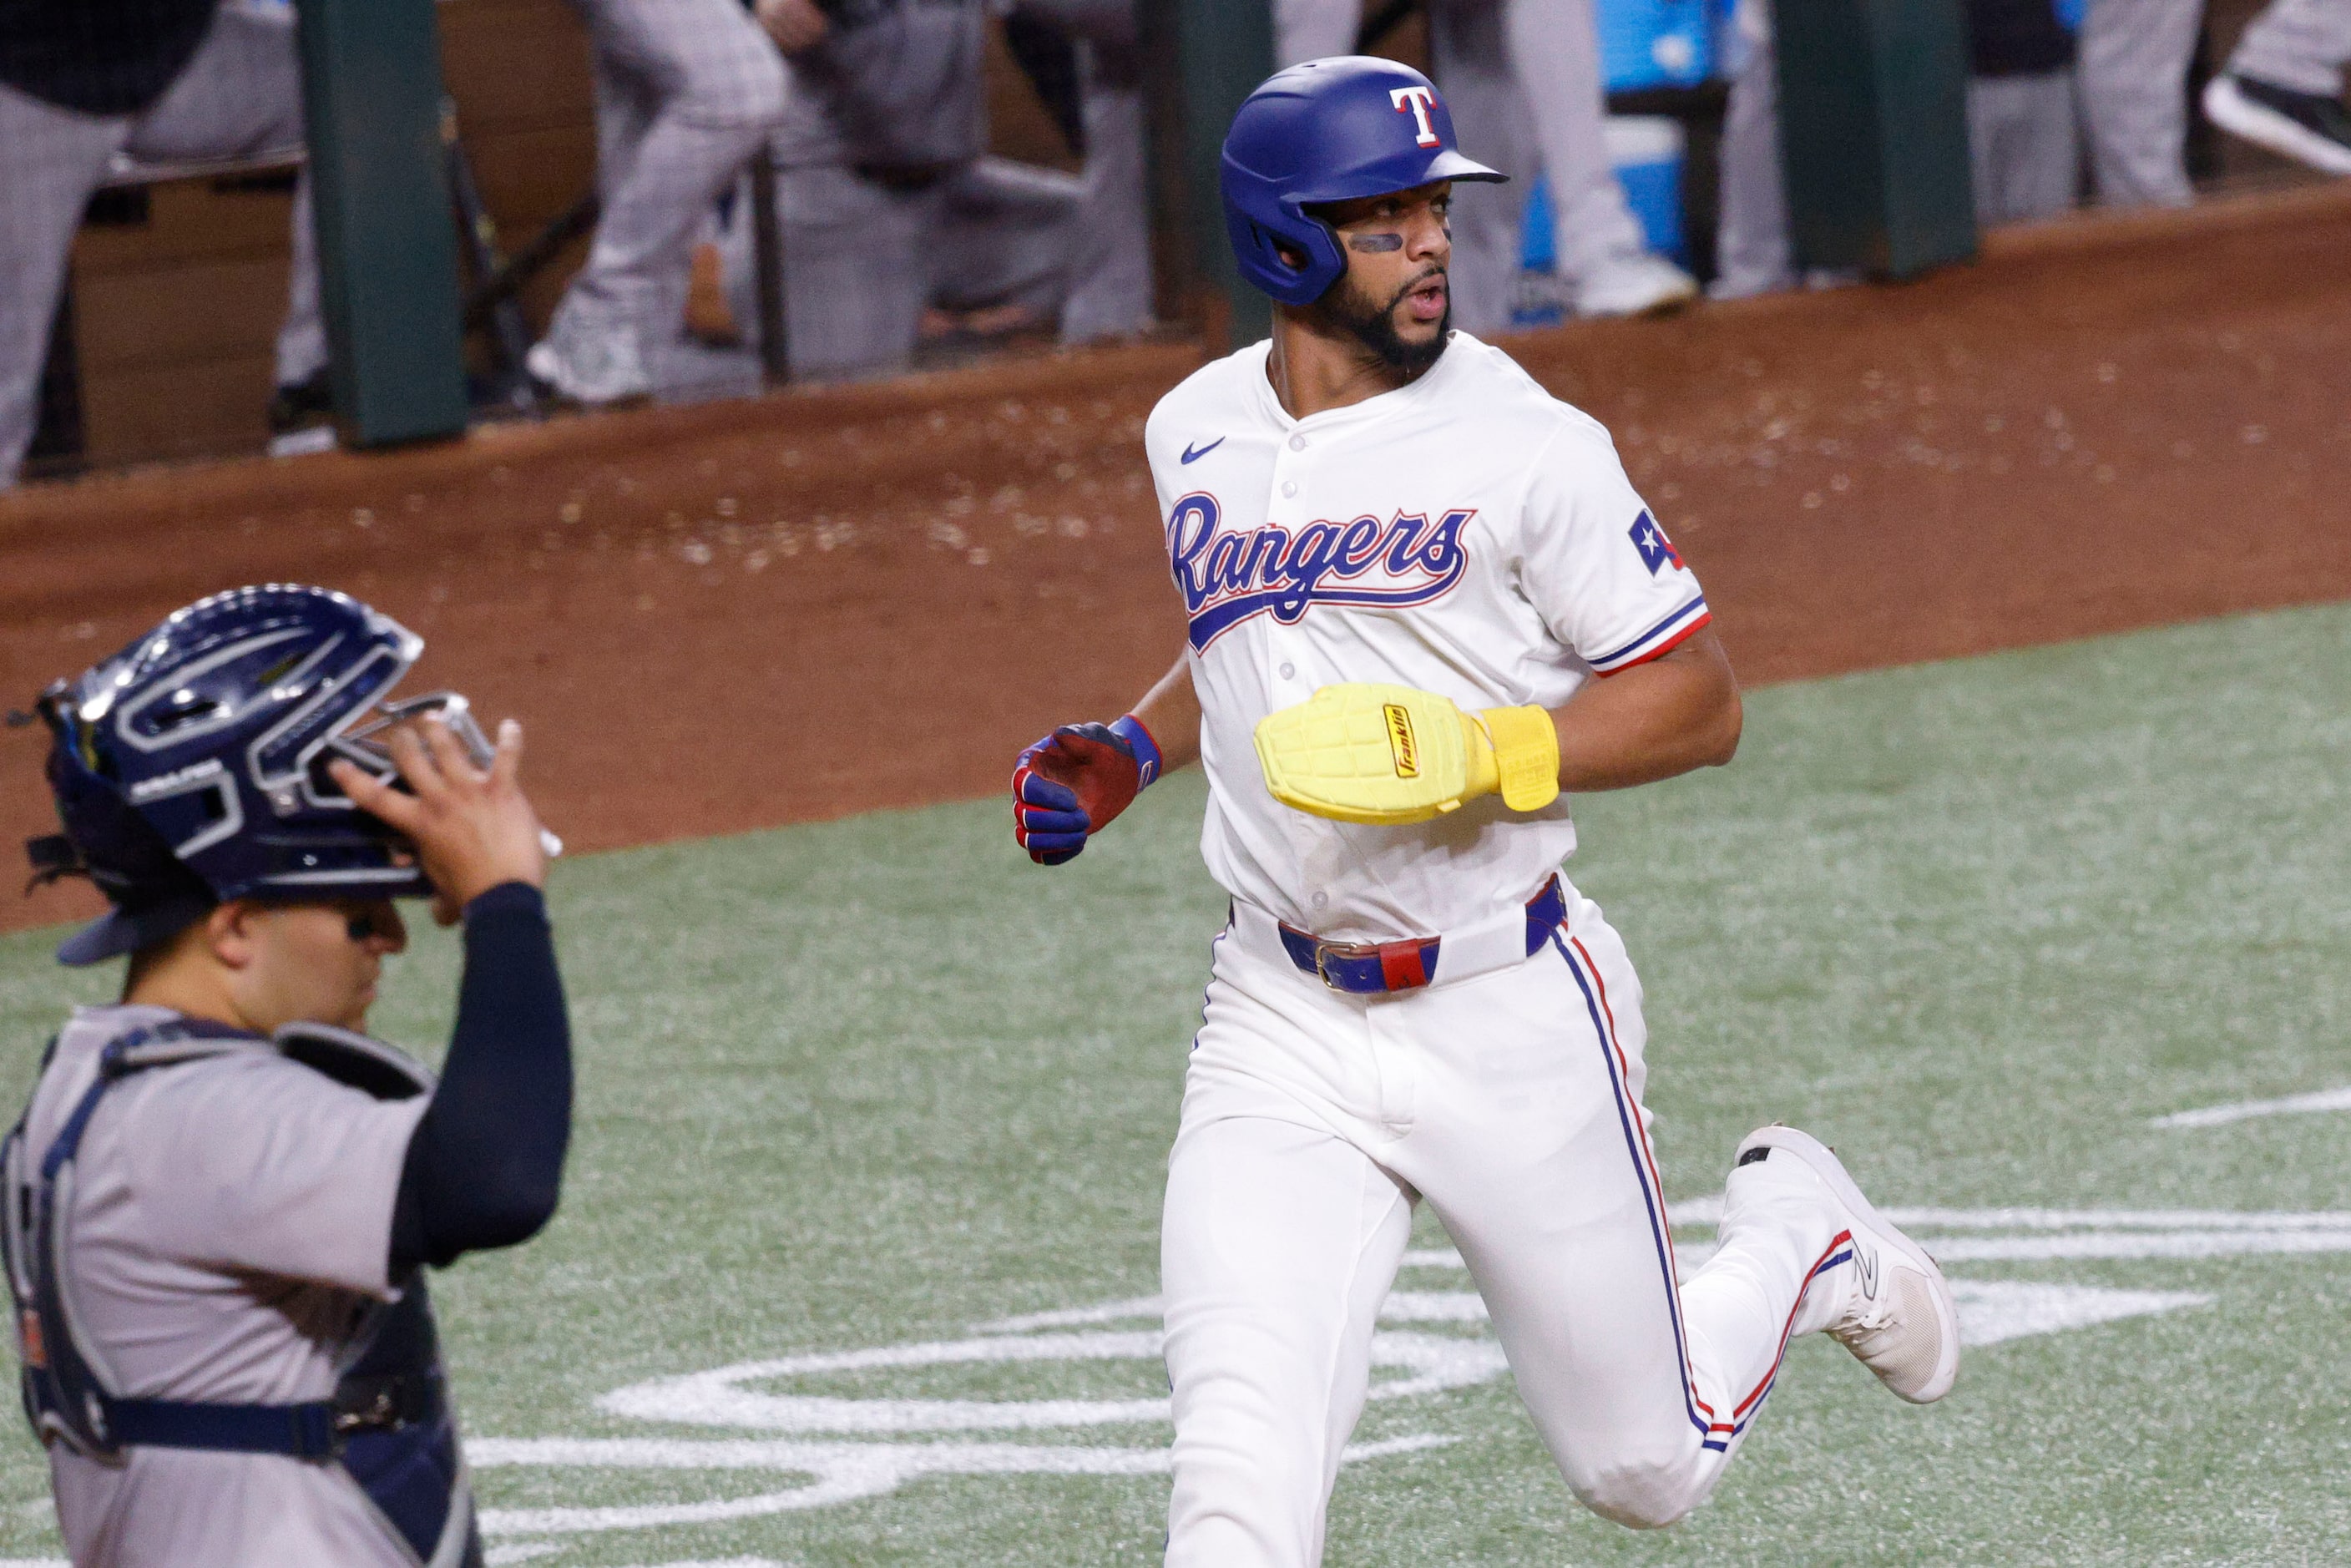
x=387, y=245
x=1224, y=48
x=1874, y=133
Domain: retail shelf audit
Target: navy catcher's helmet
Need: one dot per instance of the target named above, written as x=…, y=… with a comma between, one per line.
x=190, y=769
x=1328, y=130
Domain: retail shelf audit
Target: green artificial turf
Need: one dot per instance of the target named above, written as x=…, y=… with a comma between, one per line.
x=881, y=1081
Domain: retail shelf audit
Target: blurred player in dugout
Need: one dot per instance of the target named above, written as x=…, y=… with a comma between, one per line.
x=2037, y=91
x=685, y=89
x=162, y=81
x=1523, y=78
x=891, y=210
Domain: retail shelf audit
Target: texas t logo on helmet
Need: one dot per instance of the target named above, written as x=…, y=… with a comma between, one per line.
x=1414, y=101
x=1328, y=130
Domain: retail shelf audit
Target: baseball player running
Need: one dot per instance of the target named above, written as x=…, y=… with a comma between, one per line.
x=1423, y=601
x=220, y=1196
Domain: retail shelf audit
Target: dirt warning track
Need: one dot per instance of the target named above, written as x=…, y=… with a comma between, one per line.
x=732, y=616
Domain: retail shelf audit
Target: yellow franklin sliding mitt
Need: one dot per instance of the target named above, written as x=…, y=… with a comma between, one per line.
x=1363, y=753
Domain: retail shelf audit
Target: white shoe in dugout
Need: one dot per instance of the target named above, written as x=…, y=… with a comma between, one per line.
x=1896, y=1313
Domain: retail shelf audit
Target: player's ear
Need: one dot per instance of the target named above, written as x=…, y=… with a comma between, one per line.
x=234, y=932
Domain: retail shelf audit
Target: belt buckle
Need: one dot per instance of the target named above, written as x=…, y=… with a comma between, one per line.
x=1349, y=950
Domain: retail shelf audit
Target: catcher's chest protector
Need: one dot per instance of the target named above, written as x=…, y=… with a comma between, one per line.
x=389, y=1424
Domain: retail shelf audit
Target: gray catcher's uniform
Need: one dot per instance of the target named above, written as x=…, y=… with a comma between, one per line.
x=229, y=1208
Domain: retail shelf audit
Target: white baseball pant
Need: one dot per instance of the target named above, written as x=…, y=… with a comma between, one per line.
x=1313, y=1121
x=1752, y=250
x=684, y=91
x=2022, y=156
x=2132, y=74
x=2298, y=44
x=1109, y=287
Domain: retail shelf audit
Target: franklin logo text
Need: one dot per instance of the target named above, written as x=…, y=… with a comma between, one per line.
x=1407, y=755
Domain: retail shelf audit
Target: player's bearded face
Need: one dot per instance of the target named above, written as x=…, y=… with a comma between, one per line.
x=1394, y=298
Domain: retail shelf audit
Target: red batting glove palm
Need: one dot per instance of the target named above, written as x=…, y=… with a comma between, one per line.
x=1069, y=785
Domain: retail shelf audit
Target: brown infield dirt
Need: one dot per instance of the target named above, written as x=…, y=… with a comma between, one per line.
x=734, y=616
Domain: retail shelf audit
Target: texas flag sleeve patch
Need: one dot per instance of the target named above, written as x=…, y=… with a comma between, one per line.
x=1656, y=550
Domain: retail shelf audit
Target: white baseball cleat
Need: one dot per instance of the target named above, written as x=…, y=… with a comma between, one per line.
x=2308, y=127
x=1898, y=1317
x=1636, y=285
x=598, y=370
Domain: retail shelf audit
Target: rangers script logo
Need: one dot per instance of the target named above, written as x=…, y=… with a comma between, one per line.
x=1226, y=578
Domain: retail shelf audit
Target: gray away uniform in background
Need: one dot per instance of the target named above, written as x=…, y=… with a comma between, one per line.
x=684, y=91
x=2024, y=156
x=2132, y=73
x=2284, y=89
x=1751, y=253
x=885, y=201
x=239, y=96
x=2299, y=43
x=1109, y=269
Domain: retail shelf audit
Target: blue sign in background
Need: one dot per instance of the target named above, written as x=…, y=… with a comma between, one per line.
x=1657, y=43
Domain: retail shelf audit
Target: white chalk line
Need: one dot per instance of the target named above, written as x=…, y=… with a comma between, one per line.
x=526, y=1552
x=717, y=1397
x=495, y=1557
x=843, y=1473
x=2042, y=1235
x=1991, y=1312
x=1075, y=1317
x=2246, y=1110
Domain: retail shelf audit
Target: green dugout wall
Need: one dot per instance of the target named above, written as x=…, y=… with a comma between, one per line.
x=387, y=249
x=1874, y=133
x=1219, y=51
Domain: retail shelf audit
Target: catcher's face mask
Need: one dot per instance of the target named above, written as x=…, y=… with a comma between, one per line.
x=366, y=746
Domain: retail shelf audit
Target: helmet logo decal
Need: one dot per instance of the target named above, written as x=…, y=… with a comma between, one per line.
x=1415, y=100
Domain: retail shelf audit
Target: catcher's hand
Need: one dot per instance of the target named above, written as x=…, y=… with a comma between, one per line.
x=1380, y=754
x=1069, y=785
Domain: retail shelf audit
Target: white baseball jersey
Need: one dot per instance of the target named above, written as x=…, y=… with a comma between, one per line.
x=231, y=1224
x=1468, y=534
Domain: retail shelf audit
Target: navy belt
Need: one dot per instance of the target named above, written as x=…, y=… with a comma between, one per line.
x=303, y=1431
x=315, y=1430
x=1372, y=968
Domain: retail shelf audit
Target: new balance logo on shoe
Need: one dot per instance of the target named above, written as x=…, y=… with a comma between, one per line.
x=1865, y=1268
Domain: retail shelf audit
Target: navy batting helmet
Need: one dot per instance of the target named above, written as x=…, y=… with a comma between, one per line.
x=190, y=769
x=1328, y=130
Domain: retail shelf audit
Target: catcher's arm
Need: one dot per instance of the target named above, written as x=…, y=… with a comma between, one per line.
x=1067, y=785
x=1387, y=755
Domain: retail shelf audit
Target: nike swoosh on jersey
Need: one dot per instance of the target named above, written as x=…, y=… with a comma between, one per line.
x=1192, y=457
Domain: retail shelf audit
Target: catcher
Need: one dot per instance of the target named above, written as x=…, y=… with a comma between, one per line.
x=221, y=1196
